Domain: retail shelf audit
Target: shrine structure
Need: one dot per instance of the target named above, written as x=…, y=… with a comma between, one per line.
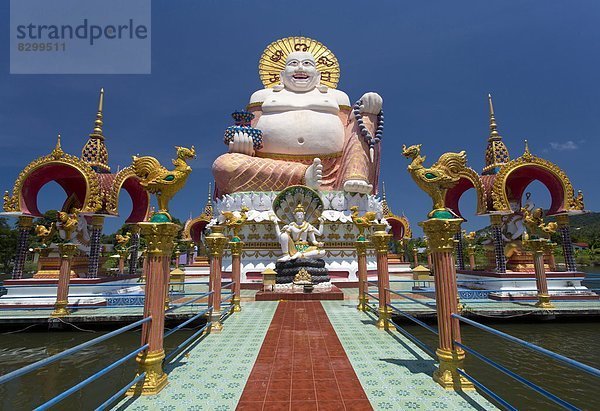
x=301, y=130
x=92, y=192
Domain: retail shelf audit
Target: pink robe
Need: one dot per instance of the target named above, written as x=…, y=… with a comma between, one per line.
x=235, y=172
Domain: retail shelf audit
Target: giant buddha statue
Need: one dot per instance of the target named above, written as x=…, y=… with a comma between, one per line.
x=310, y=135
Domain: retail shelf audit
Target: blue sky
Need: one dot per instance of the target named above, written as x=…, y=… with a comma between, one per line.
x=433, y=63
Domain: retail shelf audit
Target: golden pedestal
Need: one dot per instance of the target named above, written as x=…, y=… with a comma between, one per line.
x=447, y=375
x=155, y=379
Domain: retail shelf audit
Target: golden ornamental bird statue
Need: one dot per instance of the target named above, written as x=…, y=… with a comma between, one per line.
x=45, y=234
x=534, y=221
x=161, y=182
x=234, y=222
x=437, y=179
x=362, y=222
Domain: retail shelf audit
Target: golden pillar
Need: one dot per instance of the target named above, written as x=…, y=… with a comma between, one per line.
x=363, y=285
x=216, y=242
x=380, y=239
x=538, y=246
x=159, y=237
x=440, y=233
x=67, y=252
x=236, y=248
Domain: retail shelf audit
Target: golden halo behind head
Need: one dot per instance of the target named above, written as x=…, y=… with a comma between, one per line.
x=272, y=61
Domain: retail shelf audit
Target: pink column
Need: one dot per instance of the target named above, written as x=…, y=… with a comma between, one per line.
x=67, y=251
x=121, y=264
x=429, y=261
x=236, y=271
x=538, y=246
x=440, y=234
x=380, y=239
x=471, y=251
x=363, y=286
x=159, y=237
x=216, y=242
x=416, y=256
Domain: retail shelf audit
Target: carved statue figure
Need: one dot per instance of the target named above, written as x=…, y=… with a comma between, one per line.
x=362, y=222
x=437, y=179
x=164, y=183
x=298, y=239
x=310, y=136
x=512, y=225
x=68, y=223
x=578, y=201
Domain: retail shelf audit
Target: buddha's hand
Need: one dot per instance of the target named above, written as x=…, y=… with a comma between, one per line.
x=314, y=174
x=358, y=186
x=371, y=103
x=242, y=143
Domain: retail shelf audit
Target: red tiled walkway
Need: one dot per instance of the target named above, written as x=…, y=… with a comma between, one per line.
x=302, y=365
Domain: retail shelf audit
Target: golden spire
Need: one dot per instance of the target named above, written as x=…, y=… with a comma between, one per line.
x=493, y=125
x=94, y=151
x=58, y=151
x=385, y=209
x=98, y=123
x=208, y=207
x=496, y=153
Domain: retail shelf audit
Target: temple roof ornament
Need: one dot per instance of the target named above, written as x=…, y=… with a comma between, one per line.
x=94, y=151
x=496, y=153
x=272, y=61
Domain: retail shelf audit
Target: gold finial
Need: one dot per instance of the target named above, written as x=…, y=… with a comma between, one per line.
x=383, y=190
x=98, y=123
x=299, y=208
x=57, y=152
x=209, y=198
x=493, y=125
x=527, y=147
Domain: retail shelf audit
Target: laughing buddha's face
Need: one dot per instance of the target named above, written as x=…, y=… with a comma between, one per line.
x=300, y=73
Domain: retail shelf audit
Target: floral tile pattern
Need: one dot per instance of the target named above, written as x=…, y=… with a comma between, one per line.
x=214, y=374
x=395, y=373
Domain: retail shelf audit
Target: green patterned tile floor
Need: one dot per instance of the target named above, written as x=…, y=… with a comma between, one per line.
x=395, y=373
x=213, y=375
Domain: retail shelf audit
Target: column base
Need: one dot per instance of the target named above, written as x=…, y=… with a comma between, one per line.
x=544, y=302
x=383, y=323
x=60, y=309
x=446, y=374
x=235, y=305
x=363, y=303
x=155, y=379
x=217, y=325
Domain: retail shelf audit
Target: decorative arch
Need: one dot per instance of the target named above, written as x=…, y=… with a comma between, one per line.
x=75, y=176
x=468, y=179
x=400, y=227
x=194, y=228
x=514, y=177
x=140, y=198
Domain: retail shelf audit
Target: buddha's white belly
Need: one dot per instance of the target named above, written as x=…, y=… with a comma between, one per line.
x=301, y=132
